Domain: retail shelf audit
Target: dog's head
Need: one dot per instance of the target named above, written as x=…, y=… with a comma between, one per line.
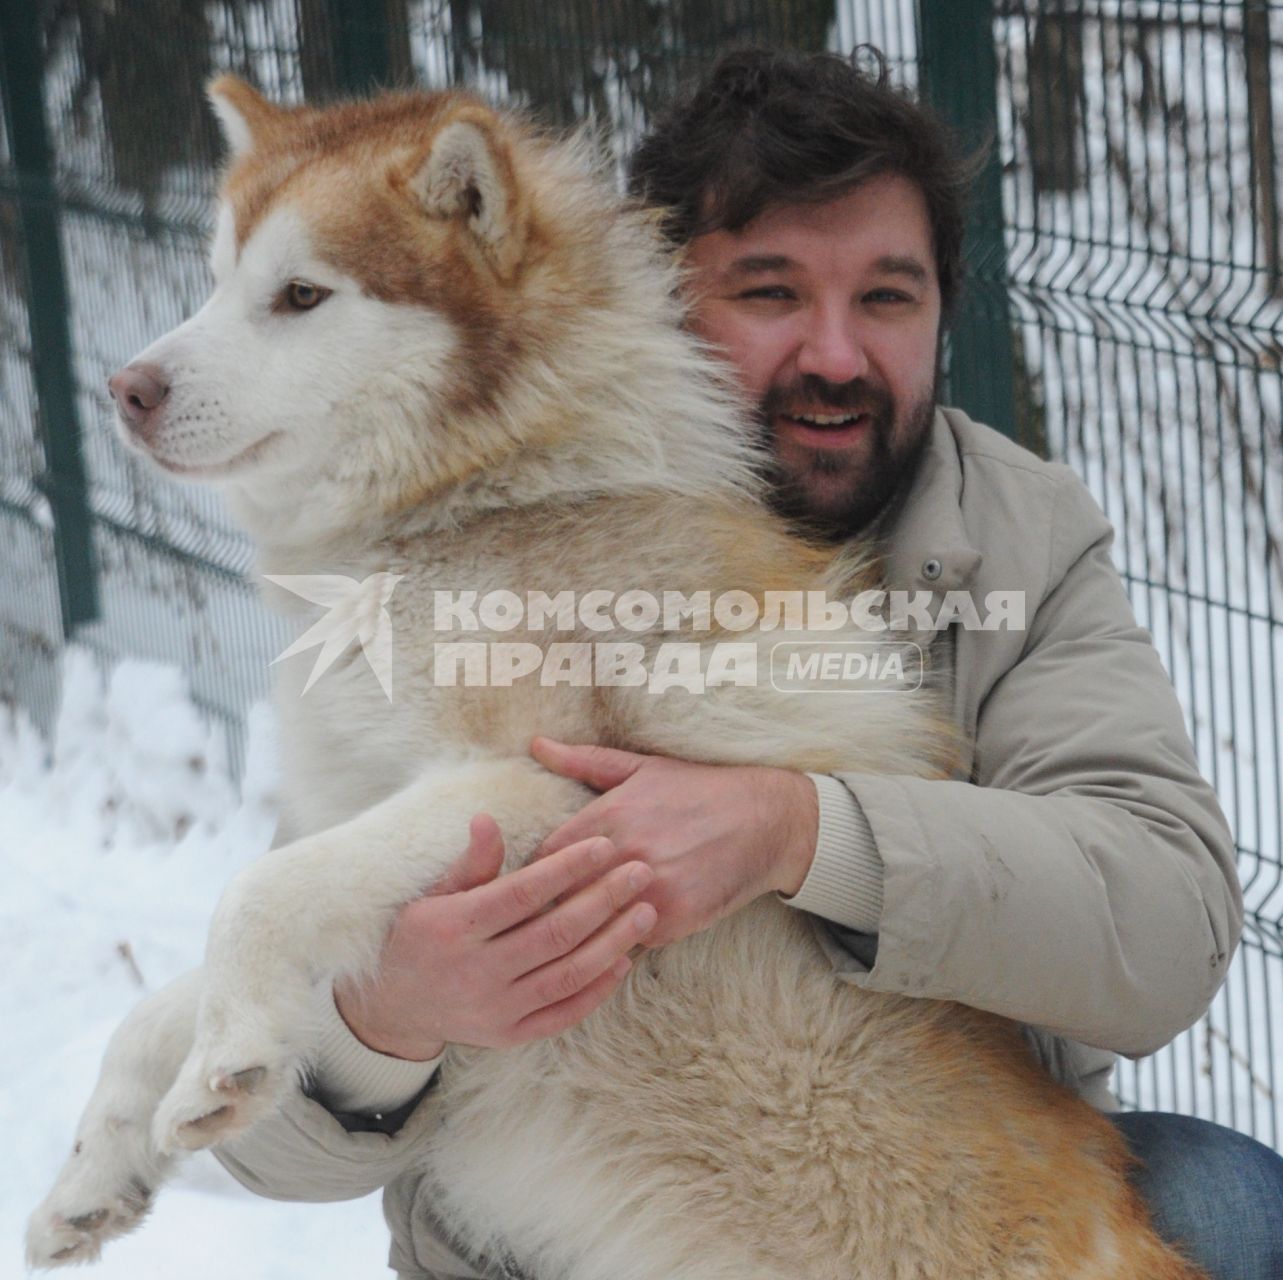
x=394, y=282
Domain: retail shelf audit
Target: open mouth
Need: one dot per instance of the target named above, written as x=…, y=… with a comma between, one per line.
x=825, y=430
x=826, y=421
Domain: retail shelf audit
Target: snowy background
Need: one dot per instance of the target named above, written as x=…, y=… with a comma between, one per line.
x=114, y=847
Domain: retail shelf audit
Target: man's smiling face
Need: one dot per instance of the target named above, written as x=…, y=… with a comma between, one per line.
x=830, y=314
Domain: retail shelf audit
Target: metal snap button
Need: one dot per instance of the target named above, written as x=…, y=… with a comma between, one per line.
x=932, y=569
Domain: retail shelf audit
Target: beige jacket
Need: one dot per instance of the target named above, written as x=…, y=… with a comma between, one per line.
x=1077, y=876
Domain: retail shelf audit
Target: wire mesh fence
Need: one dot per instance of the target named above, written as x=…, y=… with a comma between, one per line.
x=1139, y=155
x=1124, y=316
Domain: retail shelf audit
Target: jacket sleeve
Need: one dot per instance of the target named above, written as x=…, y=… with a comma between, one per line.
x=303, y=1151
x=1083, y=881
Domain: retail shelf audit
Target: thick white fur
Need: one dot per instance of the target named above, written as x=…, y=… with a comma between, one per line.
x=733, y=1112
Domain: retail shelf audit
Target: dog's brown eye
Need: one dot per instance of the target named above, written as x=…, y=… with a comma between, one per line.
x=301, y=296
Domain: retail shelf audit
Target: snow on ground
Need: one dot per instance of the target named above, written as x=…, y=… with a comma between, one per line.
x=112, y=855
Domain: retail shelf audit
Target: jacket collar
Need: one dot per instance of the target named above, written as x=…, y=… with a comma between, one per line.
x=924, y=545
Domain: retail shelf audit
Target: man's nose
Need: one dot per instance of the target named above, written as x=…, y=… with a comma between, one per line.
x=138, y=390
x=833, y=348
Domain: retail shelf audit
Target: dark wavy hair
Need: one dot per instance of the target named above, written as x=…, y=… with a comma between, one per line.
x=766, y=128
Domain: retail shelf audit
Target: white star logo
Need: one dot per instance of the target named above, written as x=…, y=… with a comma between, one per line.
x=356, y=611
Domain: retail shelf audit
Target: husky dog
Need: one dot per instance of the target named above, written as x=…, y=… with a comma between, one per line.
x=440, y=347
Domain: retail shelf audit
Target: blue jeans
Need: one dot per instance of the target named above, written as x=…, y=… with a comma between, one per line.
x=1215, y=1192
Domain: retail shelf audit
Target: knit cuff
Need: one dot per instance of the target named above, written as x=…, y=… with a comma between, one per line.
x=352, y=1077
x=844, y=883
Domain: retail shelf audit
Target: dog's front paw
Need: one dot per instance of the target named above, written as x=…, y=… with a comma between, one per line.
x=212, y=1101
x=96, y=1198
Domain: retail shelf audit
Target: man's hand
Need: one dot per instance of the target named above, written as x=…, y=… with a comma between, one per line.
x=481, y=960
x=716, y=836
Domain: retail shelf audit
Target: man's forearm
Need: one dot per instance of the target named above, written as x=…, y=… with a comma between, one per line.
x=1065, y=912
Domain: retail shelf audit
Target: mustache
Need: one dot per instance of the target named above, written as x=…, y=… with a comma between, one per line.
x=856, y=396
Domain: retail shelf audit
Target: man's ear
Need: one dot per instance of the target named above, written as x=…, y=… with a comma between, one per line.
x=242, y=111
x=468, y=176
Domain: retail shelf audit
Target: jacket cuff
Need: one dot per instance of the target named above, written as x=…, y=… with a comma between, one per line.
x=353, y=1078
x=844, y=883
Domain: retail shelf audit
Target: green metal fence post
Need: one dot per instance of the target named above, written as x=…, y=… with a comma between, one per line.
x=63, y=479
x=361, y=56
x=959, y=78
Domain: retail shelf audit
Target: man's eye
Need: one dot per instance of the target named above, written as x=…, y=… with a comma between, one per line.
x=887, y=295
x=299, y=295
x=774, y=292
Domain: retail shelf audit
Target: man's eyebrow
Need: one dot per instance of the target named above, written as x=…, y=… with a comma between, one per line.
x=759, y=264
x=901, y=265
x=768, y=264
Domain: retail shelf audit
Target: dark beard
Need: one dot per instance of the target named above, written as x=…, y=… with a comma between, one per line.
x=891, y=466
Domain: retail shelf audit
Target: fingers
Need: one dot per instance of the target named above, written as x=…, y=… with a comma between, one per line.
x=515, y=898
x=598, y=767
x=559, y=931
x=571, y=987
x=481, y=860
x=556, y=1018
x=587, y=822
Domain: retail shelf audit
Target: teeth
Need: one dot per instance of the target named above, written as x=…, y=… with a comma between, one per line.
x=827, y=420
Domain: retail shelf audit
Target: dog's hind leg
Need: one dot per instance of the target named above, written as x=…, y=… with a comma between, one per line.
x=107, y=1183
x=318, y=908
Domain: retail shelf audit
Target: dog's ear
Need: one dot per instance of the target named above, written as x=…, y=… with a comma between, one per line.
x=468, y=175
x=242, y=111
